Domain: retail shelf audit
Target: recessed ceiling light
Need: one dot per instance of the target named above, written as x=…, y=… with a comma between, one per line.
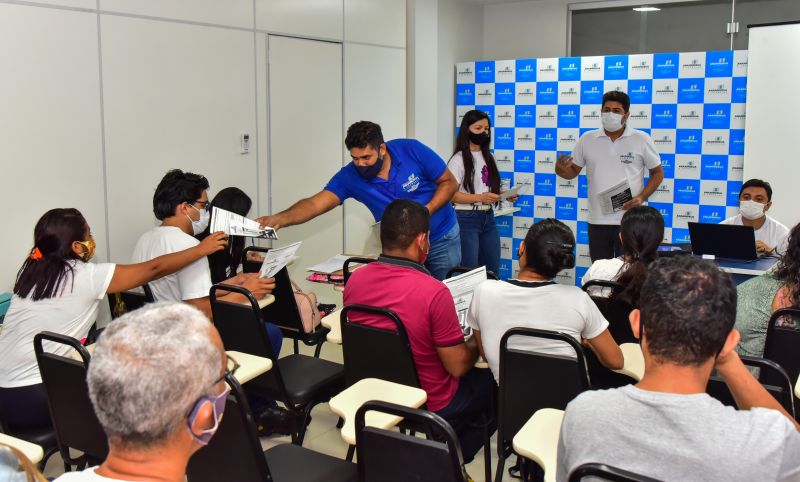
x=647, y=9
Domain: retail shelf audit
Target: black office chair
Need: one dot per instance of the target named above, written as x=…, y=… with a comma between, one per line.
x=298, y=381
x=606, y=472
x=346, y=272
x=44, y=437
x=781, y=346
x=530, y=381
x=390, y=456
x=283, y=312
x=71, y=410
x=234, y=453
x=461, y=270
x=783, y=390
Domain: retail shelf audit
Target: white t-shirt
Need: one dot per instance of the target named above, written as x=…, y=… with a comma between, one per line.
x=480, y=178
x=498, y=306
x=88, y=475
x=604, y=270
x=772, y=233
x=72, y=314
x=191, y=282
x=608, y=163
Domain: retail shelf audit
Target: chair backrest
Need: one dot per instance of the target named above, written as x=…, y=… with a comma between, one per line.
x=249, y=266
x=371, y=352
x=351, y=261
x=125, y=301
x=390, y=456
x=531, y=380
x=783, y=343
x=606, y=472
x=461, y=270
x=71, y=410
x=774, y=379
x=284, y=312
x=234, y=452
x=241, y=328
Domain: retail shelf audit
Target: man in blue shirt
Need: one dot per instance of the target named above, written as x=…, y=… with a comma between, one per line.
x=380, y=173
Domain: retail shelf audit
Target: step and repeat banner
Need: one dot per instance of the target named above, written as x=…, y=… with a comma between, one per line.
x=692, y=104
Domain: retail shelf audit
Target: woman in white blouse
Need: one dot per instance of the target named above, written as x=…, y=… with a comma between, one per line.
x=641, y=231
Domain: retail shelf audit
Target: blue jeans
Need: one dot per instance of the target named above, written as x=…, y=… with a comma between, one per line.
x=445, y=254
x=472, y=400
x=258, y=403
x=480, y=242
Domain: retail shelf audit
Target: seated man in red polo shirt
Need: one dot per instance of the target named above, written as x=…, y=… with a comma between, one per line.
x=398, y=281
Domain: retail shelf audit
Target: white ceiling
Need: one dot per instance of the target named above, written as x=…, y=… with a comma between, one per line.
x=489, y=2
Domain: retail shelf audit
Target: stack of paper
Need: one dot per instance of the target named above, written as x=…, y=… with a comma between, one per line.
x=234, y=225
x=277, y=258
x=331, y=265
x=461, y=288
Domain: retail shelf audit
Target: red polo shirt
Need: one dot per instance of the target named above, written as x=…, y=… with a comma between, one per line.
x=425, y=306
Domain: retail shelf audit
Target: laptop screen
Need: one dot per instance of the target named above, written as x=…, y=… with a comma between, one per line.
x=723, y=240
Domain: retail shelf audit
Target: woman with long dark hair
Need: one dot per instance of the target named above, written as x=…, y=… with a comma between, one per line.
x=59, y=290
x=641, y=231
x=475, y=169
x=224, y=264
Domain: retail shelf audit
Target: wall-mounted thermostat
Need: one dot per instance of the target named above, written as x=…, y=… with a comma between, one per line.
x=244, y=144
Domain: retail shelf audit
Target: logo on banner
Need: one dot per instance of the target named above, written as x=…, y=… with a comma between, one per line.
x=692, y=115
x=718, y=89
x=737, y=142
x=686, y=216
x=548, y=68
x=582, y=236
x=591, y=115
x=465, y=95
x=504, y=94
x=641, y=115
x=502, y=157
x=712, y=214
x=687, y=191
x=484, y=72
x=717, y=116
x=568, y=93
x=567, y=116
x=640, y=91
x=525, y=117
x=504, y=226
x=544, y=209
x=616, y=67
x=665, y=210
x=465, y=72
x=568, y=68
x=566, y=208
x=714, y=167
x=695, y=64
x=719, y=64
x=734, y=188
x=690, y=91
x=688, y=141
x=688, y=167
x=718, y=141
x=546, y=139
x=593, y=67
x=523, y=161
x=591, y=92
x=739, y=90
x=665, y=66
x=668, y=165
x=526, y=92
x=664, y=116
x=504, y=138
x=713, y=193
x=545, y=184
x=526, y=70
x=486, y=92
x=547, y=93
x=504, y=115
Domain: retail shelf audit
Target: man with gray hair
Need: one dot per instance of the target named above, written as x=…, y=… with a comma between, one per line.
x=156, y=380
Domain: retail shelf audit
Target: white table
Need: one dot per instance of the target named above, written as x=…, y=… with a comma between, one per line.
x=347, y=403
x=537, y=440
x=634, y=361
x=262, y=303
x=34, y=452
x=334, y=323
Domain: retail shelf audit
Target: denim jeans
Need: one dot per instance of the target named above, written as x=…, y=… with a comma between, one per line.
x=258, y=403
x=480, y=242
x=445, y=254
x=473, y=399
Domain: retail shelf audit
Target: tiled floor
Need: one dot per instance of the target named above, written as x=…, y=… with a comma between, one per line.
x=322, y=434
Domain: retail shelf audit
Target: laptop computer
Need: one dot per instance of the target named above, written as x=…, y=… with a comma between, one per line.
x=723, y=240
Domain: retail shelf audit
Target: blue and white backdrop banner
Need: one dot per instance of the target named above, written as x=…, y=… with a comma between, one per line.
x=692, y=104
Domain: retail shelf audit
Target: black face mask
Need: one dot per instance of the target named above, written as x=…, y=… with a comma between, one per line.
x=369, y=172
x=480, y=140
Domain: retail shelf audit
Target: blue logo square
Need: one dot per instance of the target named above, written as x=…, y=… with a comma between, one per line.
x=547, y=93
x=616, y=67
x=665, y=66
x=524, y=161
x=504, y=138
x=504, y=94
x=668, y=164
x=714, y=168
x=583, y=187
x=739, y=90
x=640, y=91
x=665, y=209
x=687, y=191
x=526, y=70
x=505, y=226
x=546, y=139
x=580, y=271
x=505, y=269
x=569, y=68
x=687, y=141
x=736, y=146
x=717, y=116
x=525, y=116
x=566, y=208
x=591, y=91
x=664, y=116
x=719, y=63
x=484, y=72
x=681, y=236
x=569, y=115
x=465, y=94
x=712, y=214
x=544, y=185
x=582, y=236
x=525, y=205
x=732, y=196
x=691, y=91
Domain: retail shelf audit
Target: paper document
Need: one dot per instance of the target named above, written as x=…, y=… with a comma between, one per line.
x=331, y=265
x=234, y=225
x=510, y=192
x=461, y=288
x=612, y=199
x=277, y=258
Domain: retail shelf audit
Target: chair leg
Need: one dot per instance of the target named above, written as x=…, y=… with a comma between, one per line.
x=47, y=454
x=301, y=430
x=340, y=424
x=501, y=462
x=318, y=349
x=487, y=454
x=351, y=450
x=296, y=346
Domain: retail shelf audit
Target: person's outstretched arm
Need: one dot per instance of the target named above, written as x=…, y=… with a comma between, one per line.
x=302, y=211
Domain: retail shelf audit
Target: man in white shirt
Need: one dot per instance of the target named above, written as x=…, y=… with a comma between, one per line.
x=755, y=199
x=181, y=204
x=614, y=155
x=666, y=426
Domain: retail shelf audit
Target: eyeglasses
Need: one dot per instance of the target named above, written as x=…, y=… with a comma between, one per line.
x=230, y=369
x=204, y=204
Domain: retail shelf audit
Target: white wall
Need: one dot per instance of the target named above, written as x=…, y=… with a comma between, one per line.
x=101, y=103
x=526, y=29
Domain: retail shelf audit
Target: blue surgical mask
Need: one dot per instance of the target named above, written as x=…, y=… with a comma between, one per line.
x=369, y=172
x=218, y=408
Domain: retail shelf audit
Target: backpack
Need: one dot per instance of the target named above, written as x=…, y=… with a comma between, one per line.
x=307, y=306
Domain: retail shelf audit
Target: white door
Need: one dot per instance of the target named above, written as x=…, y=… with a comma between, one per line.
x=305, y=143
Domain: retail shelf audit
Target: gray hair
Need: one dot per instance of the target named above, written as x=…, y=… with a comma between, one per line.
x=148, y=369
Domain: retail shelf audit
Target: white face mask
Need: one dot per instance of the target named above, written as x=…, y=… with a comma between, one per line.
x=201, y=224
x=612, y=122
x=751, y=209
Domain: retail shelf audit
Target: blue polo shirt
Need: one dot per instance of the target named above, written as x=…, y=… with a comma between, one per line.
x=412, y=175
